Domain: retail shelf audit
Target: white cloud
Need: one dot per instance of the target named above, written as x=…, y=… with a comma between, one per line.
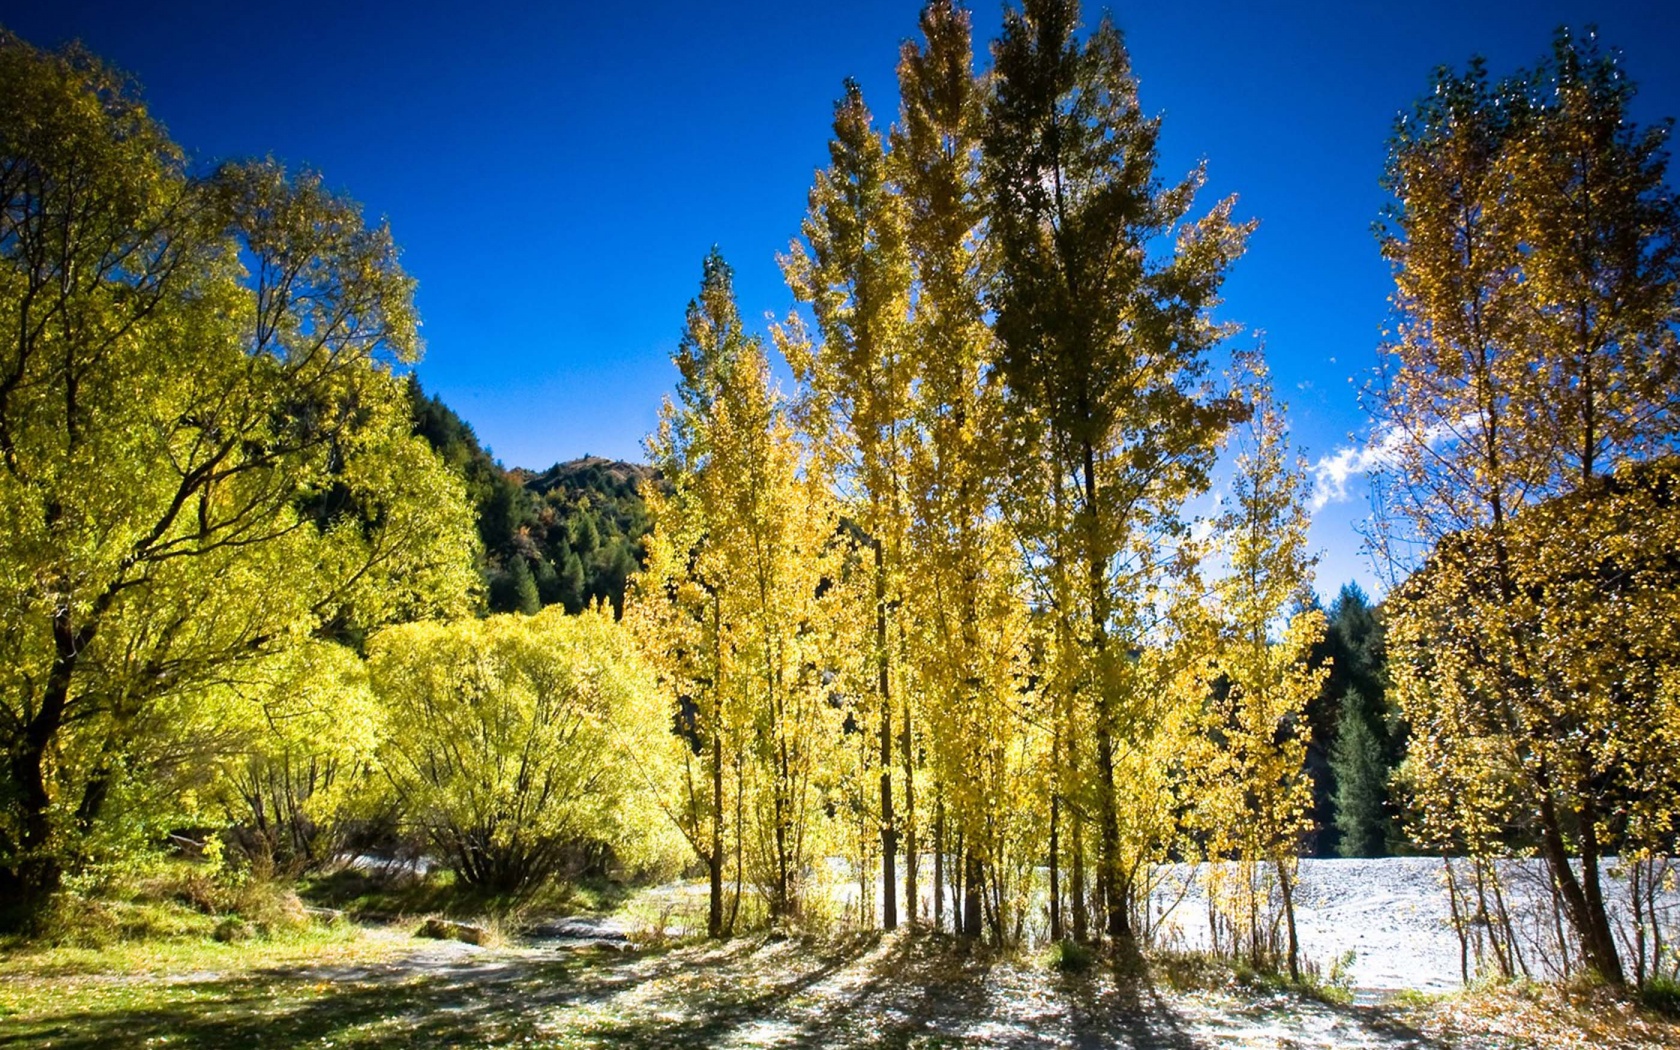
x=1332, y=473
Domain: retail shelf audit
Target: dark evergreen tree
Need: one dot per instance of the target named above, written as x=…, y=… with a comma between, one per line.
x=548, y=581
x=1361, y=769
x=522, y=587
x=572, y=593
x=1353, y=645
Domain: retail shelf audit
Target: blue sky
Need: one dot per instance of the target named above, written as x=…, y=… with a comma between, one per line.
x=555, y=173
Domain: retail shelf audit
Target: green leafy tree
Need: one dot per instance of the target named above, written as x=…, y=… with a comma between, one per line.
x=521, y=744
x=298, y=738
x=205, y=455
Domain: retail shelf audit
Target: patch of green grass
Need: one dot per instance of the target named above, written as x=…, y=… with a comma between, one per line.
x=1661, y=995
x=1067, y=956
x=392, y=898
x=339, y=943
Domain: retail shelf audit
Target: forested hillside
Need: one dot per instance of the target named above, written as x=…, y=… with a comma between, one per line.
x=569, y=536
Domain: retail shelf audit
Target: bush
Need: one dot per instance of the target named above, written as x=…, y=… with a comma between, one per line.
x=516, y=743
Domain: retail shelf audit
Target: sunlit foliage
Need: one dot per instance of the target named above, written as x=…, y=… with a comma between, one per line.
x=205, y=456
x=1532, y=382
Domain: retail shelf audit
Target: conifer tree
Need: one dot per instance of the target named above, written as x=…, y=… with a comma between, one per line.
x=1361, y=775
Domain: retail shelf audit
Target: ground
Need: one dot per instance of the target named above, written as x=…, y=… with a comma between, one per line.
x=644, y=978
x=385, y=988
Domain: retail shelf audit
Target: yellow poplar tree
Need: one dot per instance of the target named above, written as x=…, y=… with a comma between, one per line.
x=853, y=270
x=1103, y=303
x=734, y=610
x=1533, y=242
x=1258, y=791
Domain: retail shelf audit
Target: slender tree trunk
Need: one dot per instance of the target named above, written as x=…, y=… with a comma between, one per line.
x=1055, y=878
x=1081, y=908
x=1118, y=924
x=973, y=884
x=889, y=831
x=939, y=861
x=957, y=854
x=714, y=862
x=912, y=898
x=740, y=866
x=1585, y=912
x=1288, y=888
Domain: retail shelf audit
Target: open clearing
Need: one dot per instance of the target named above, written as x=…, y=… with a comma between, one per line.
x=864, y=991
x=578, y=983
x=861, y=991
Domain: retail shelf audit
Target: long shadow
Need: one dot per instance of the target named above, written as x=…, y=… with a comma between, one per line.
x=713, y=1012
x=921, y=990
x=447, y=1006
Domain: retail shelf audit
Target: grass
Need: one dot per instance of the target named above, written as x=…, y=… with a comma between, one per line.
x=1541, y=1016
x=147, y=969
x=374, y=897
x=1662, y=995
x=1188, y=971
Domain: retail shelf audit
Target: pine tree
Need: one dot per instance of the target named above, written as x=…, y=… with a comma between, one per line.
x=1361, y=772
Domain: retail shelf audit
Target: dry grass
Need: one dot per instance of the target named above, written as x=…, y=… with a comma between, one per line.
x=1542, y=1017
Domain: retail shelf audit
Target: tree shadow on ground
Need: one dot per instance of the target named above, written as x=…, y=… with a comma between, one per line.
x=897, y=991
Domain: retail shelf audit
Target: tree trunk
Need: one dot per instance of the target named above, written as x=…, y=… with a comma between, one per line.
x=714, y=862
x=912, y=898
x=1081, y=909
x=973, y=883
x=1288, y=889
x=939, y=862
x=1055, y=877
x=1583, y=907
x=889, y=832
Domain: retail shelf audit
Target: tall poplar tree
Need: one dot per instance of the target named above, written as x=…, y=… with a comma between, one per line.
x=733, y=611
x=967, y=621
x=853, y=269
x=1262, y=792
x=1103, y=301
